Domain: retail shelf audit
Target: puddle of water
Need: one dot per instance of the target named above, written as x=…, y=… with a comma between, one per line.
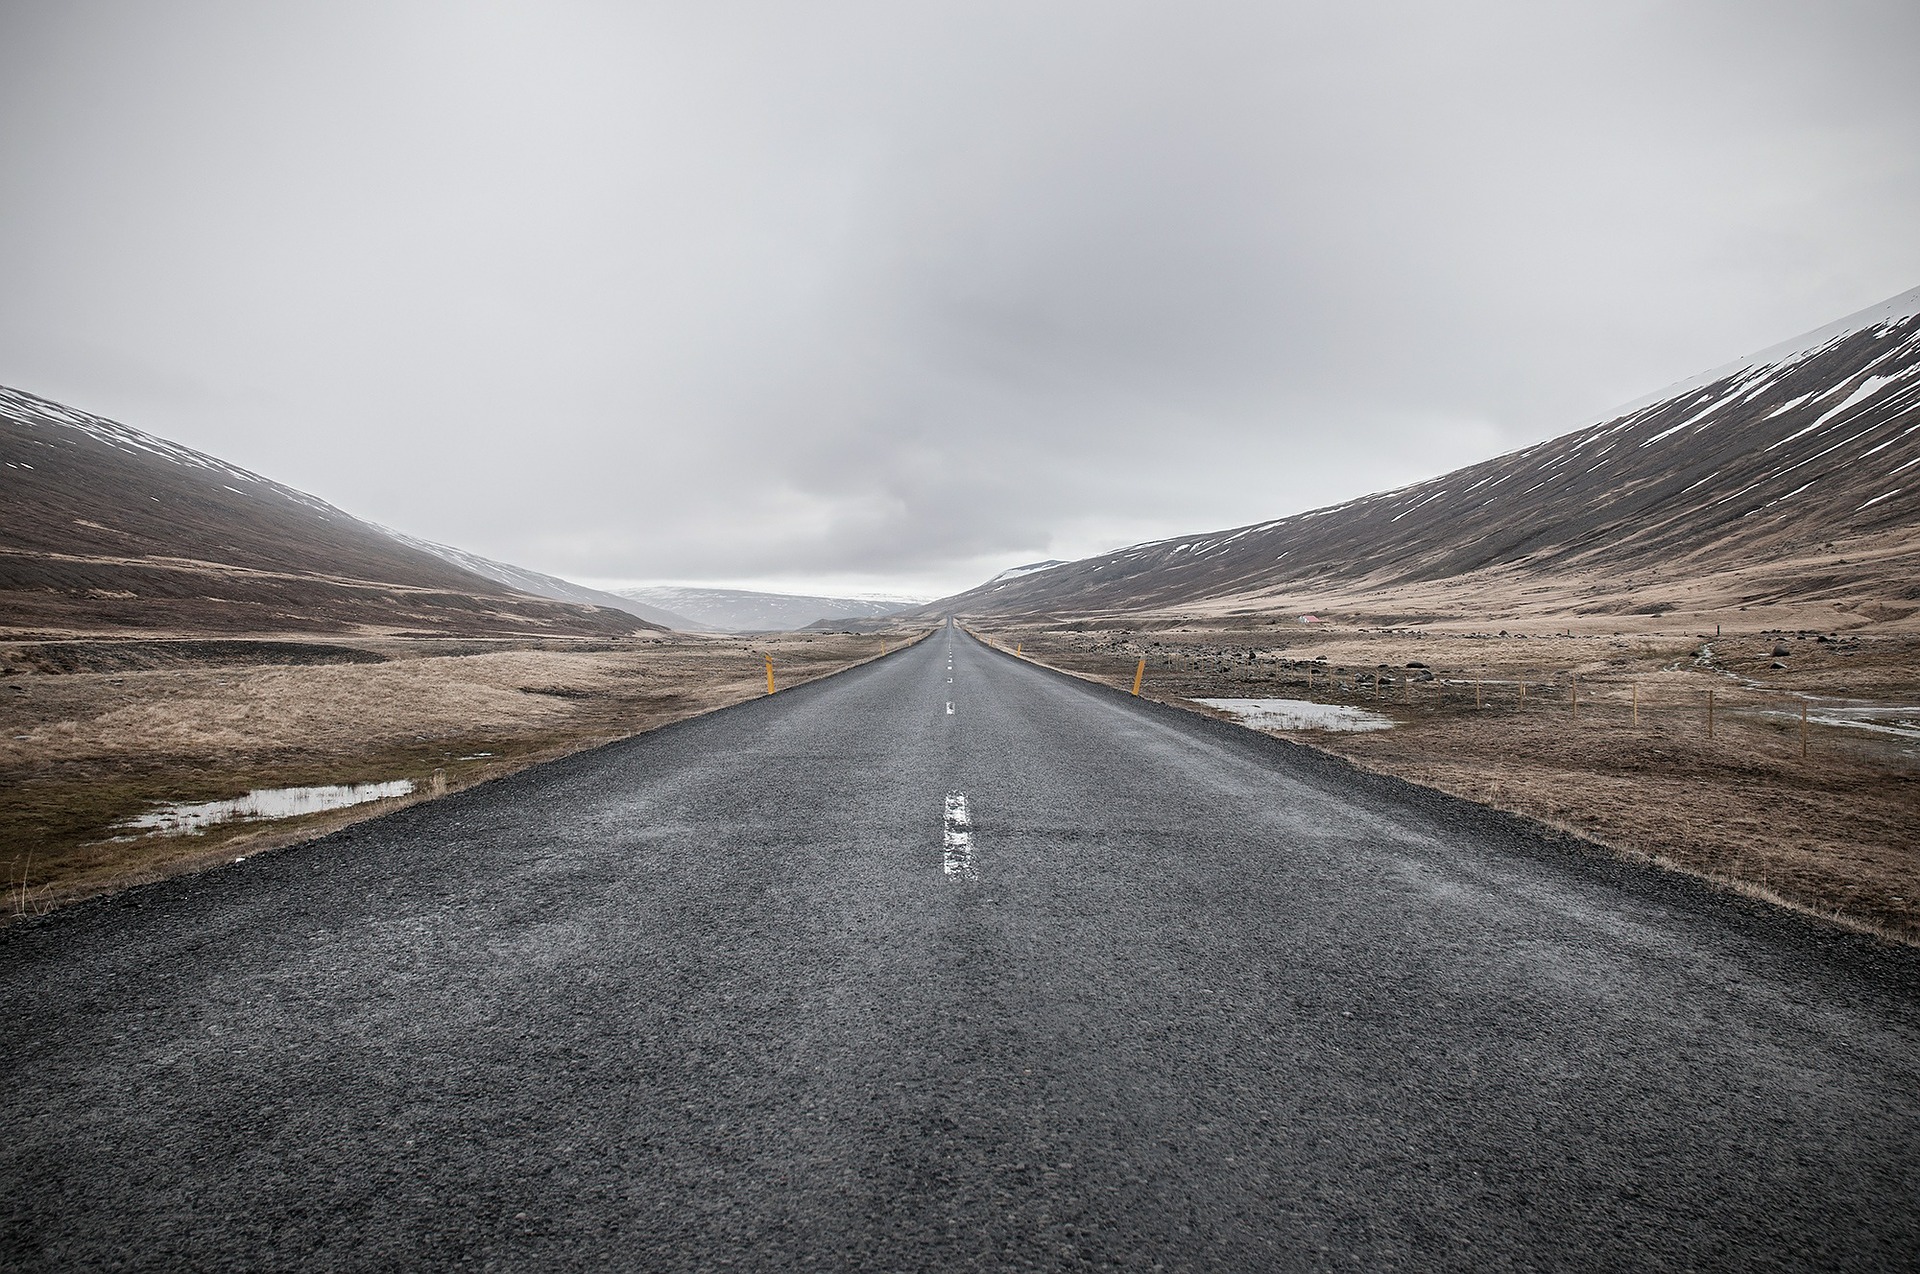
x=265, y=803
x=1299, y=714
x=1903, y=722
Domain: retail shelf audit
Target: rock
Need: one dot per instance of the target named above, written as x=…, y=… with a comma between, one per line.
x=1780, y=648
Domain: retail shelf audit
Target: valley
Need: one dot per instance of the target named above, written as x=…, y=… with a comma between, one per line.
x=178, y=629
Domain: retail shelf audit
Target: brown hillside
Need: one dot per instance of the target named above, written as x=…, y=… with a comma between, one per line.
x=1791, y=482
x=107, y=528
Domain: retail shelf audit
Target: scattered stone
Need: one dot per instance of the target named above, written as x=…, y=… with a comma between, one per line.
x=1781, y=649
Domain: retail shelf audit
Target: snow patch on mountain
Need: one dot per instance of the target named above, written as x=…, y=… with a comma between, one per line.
x=1029, y=569
x=1890, y=314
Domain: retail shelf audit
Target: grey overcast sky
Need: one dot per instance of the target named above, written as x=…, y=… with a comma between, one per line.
x=892, y=296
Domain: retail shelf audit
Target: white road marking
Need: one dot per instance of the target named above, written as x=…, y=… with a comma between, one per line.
x=958, y=859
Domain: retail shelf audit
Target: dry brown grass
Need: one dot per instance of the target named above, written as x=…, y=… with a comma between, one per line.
x=81, y=751
x=1836, y=833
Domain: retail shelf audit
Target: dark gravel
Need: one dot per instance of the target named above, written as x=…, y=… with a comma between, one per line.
x=704, y=999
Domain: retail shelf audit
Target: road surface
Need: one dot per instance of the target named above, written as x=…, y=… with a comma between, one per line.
x=950, y=962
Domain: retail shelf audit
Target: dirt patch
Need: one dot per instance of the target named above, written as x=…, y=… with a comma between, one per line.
x=95, y=732
x=1604, y=735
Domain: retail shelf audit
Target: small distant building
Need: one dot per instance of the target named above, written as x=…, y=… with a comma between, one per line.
x=1311, y=619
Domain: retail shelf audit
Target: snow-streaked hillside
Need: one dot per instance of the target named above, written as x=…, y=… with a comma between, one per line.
x=1893, y=310
x=51, y=419
x=1775, y=459
x=110, y=527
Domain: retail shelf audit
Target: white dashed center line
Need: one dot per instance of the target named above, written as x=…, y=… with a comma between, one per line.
x=958, y=859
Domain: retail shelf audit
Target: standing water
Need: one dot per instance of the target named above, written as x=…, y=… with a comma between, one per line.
x=1299, y=714
x=180, y=819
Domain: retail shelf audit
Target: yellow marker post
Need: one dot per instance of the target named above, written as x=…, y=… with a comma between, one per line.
x=1016, y=647
x=1138, y=673
x=769, y=674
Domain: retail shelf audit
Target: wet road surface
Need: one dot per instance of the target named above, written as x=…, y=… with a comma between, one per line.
x=755, y=992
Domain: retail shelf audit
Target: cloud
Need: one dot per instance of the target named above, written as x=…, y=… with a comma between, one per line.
x=904, y=294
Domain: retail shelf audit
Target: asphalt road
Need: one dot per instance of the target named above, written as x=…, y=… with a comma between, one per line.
x=748, y=993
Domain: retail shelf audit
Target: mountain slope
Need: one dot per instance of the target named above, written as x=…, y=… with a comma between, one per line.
x=1031, y=568
x=520, y=579
x=108, y=527
x=1789, y=478
x=733, y=610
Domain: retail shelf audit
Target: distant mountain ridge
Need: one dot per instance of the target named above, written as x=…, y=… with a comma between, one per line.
x=523, y=580
x=110, y=527
x=1788, y=477
x=733, y=610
